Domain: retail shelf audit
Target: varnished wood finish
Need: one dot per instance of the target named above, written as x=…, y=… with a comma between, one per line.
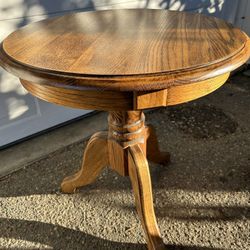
x=94, y=160
x=124, y=61
x=82, y=99
x=137, y=83
x=124, y=149
x=141, y=183
x=124, y=50
x=125, y=129
x=192, y=91
x=150, y=99
x=138, y=39
x=114, y=100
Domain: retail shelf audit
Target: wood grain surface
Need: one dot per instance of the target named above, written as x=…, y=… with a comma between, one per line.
x=121, y=100
x=141, y=184
x=124, y=50
x=126, y=128
x=124, y=148
x=92, y=163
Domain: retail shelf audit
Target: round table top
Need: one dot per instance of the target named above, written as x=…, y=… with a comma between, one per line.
x=131, y=49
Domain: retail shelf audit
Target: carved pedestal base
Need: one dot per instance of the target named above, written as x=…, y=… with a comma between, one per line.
x=124, y=148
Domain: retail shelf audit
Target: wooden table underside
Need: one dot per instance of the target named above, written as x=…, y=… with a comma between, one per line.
x=126, y=100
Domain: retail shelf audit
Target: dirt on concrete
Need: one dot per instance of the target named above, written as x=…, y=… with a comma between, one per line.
x=202, y=199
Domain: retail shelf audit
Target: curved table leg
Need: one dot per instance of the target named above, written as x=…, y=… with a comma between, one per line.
x=95, y=158
x=153, y=151
x=141, y=183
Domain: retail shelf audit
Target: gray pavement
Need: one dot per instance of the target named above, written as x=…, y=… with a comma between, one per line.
x=202, y=198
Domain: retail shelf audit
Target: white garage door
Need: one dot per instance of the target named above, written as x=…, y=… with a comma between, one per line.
x=21, y=114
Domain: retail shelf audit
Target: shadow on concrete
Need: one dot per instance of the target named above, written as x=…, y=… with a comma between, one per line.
x=201, y=213
x=59, y=237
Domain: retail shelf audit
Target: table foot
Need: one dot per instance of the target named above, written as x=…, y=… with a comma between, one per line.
x=153, y=151
x=95, y=158
x=141, y=183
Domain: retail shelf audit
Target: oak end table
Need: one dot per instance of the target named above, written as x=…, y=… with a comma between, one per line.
x=124, y=61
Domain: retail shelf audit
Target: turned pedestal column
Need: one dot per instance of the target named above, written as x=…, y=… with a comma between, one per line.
x=125, y=148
